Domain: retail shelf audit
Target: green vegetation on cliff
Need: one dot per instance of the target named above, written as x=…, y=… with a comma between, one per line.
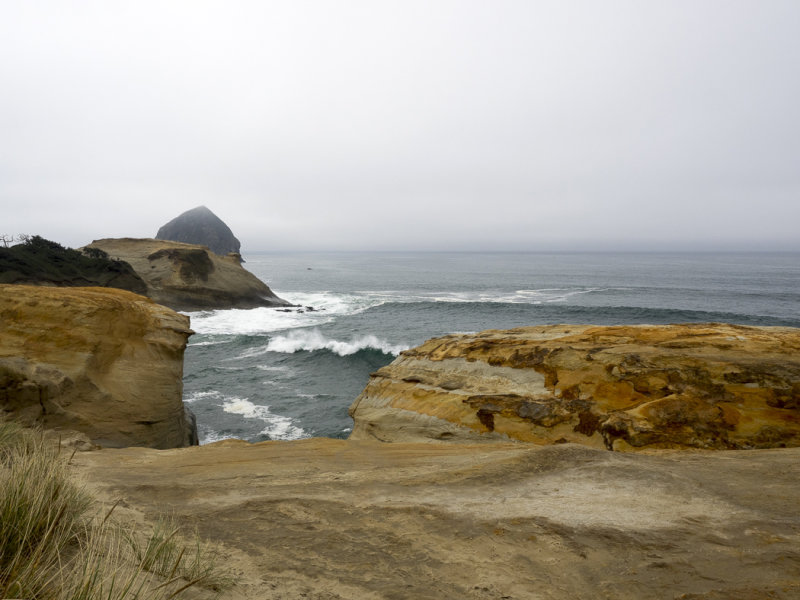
x=39, y=261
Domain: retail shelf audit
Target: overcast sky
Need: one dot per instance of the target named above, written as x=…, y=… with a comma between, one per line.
x=432, y=125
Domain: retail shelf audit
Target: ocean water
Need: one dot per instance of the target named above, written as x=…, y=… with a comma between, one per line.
x=268, y=374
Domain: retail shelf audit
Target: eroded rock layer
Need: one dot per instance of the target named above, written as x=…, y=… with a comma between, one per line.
x=710, y=386
x=190, y=277
x=105, y=362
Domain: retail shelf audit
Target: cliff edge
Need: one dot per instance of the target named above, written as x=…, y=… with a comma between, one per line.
x=190, y=277
x=711, y=386
x=101, y=361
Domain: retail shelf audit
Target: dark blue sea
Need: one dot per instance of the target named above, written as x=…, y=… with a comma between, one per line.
x=266, y=374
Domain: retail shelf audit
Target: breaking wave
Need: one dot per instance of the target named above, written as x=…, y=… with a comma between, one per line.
x=278, y=427
x=312, y=340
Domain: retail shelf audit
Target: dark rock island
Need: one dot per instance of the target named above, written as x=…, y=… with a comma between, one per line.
x=203, y=227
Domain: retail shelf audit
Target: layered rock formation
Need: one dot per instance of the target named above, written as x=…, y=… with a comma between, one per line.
x=100, y=361
x=200, y=226
x=624, y=388
x=327, y=519
x=190, y=277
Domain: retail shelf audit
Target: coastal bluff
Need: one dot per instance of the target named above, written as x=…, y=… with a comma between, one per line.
x=708, y=386
x=101, y=361
x=190, y=277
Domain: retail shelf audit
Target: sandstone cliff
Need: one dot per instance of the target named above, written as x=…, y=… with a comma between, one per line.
x=101, y=361
x=190, y=277
x=623, y=388
x=325, y=519
x=202, y=227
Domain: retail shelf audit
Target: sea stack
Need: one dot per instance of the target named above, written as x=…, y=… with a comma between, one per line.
x=201, y=226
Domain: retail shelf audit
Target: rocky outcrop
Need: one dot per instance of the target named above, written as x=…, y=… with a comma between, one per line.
x=100, y=361
x=200, y=226
x=190, y=277
x=624, y=388
x=328, y=519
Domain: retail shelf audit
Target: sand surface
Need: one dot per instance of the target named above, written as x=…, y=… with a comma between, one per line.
x=333, y=519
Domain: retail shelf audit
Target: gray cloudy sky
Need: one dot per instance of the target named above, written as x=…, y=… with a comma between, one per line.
x=489, y=125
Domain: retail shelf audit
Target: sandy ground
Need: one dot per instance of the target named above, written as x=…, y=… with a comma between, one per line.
x=333, y=519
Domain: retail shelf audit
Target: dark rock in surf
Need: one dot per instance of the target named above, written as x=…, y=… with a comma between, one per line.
x=201, y=226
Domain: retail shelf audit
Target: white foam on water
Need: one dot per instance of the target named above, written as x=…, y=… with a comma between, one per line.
x=209, y=343
x=194, y=396
x=329, y=305
x=255, y=321
x=535, y=296
x=278, y=427
x=273, y=369
x=262, y=321
x=334, y=303
x=311, y=340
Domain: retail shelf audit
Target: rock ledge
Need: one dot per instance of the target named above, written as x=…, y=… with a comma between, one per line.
x=711, y=386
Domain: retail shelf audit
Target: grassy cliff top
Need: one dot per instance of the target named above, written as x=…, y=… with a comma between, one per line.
x=43, y=262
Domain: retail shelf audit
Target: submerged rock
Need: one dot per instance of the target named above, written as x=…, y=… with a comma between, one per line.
x=201, y=226
x=190, y=277
x=710, y=386
x=101, y=361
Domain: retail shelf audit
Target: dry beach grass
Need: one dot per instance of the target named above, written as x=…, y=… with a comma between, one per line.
x=57, y=544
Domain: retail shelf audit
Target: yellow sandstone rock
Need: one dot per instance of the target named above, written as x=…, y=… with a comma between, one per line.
x=102, y=361
x=710, y=386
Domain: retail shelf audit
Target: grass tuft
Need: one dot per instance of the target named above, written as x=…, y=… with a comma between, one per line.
x=52, y=548
x=168, y=554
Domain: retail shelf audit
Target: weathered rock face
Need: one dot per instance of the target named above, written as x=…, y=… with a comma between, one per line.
x=624, y=388
x=101, y=361
x=200, y=226
x=190, y=277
